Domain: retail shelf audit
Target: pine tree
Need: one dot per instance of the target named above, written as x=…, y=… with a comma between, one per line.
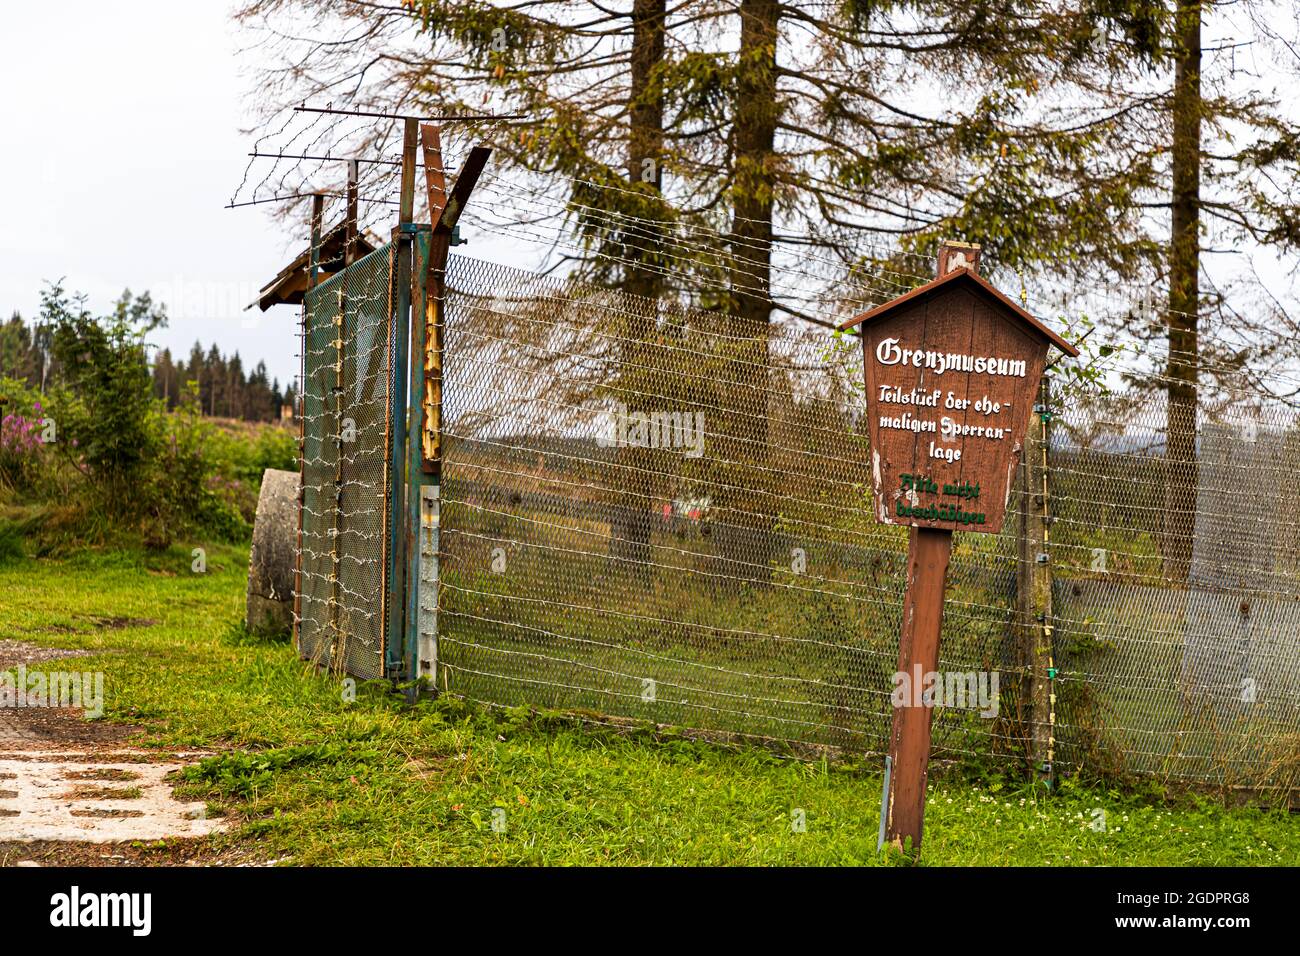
x=20, y=358
x=163, y=378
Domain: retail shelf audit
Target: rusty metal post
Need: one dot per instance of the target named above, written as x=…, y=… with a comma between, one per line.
x=424, y=495
x=313, y=259
x=425, y=427
x=317, y=218
x=350, y=218
x=434, y=290
x=421, y=500
x=399, y=295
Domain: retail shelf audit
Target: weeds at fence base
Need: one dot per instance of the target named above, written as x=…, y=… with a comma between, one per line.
x=893, y=854
x=239, y=634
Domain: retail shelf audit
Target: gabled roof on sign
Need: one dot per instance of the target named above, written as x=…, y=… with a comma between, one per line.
x=961, y=277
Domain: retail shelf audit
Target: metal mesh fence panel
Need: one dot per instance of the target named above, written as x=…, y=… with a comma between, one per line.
x=645, y=516
x=648, y=517
x=346, y=432
x=1195, y=674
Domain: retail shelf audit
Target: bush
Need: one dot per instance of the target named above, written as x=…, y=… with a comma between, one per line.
x=241, y=453
x=23, y=433
x=106, y=401
x=192, y=487
x=108, y=457
x=245, y=451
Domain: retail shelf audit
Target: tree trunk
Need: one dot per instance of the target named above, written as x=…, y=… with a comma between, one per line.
x=1184, y=298
x=645, y=140
x=631, y=520
x=743, y=526
x=755, y=146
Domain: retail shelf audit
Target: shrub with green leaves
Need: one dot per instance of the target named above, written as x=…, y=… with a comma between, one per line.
x=187, y=491
x=106, y=406
x=119, y=462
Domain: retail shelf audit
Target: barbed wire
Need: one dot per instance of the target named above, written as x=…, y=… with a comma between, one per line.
x=685, y=242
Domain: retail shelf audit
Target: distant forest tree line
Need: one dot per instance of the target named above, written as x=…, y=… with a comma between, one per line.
x=226, y=389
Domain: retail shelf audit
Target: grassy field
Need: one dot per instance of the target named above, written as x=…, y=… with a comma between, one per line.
x=307, y=776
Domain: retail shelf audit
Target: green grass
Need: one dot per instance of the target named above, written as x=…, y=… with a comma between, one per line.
x=303, y=773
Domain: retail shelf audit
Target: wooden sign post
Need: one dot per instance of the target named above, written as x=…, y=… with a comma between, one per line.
x=951, y=371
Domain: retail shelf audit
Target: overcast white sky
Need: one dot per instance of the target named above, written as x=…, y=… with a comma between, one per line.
x=121, y=145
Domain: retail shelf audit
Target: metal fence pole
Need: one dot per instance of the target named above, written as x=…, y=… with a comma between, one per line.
x=1034, y=588
x=399, y=330
x=313, y=260
x=421, y=568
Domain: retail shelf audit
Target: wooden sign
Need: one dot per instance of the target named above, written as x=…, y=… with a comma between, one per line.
x=951, y=372
x=952, y=369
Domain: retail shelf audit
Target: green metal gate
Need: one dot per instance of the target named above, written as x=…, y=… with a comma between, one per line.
x=347, y=446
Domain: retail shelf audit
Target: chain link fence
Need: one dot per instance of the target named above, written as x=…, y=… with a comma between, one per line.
x=649, y=515
x=1191, y=676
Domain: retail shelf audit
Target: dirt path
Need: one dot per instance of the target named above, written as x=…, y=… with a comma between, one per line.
x=81, y=792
